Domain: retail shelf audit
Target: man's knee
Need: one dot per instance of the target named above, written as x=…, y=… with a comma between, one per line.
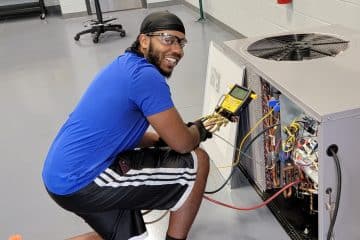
x=203, y=160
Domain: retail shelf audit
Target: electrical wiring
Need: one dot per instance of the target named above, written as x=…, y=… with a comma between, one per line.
x=243, y=153
x=248, y=134
x=256, y=206
x=245, y=137
x=338, y=194
x=291, y=131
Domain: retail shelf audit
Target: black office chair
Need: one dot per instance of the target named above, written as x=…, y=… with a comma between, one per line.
x=100, y=26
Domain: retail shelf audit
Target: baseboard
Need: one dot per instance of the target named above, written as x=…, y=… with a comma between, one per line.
x=214, y=20
x=165, y=3
x=74, y=15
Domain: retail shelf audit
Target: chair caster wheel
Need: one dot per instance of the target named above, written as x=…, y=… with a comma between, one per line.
x=95, y=40
x=122, y=34
x=76, y=38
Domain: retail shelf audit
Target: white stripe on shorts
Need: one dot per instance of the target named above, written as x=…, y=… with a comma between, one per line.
x=146, y=173
x=147, y=176
x=152, y=177
x=189, y=189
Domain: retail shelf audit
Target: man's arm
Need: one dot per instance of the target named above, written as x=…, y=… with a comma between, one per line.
x=171, y=128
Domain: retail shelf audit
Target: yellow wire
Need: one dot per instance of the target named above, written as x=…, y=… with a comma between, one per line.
x=246, y=136
x=291, y=140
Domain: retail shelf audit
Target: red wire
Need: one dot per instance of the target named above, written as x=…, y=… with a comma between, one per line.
x=256, y=206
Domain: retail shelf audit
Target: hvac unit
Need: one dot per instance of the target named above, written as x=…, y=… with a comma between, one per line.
x=311, y=80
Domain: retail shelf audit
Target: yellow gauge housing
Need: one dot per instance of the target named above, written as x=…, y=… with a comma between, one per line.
x=231, y=103
x=235, y=101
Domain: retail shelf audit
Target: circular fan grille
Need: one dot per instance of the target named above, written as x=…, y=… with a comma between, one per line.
x=297, y=47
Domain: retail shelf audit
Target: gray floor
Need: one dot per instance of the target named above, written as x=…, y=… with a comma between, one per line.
x=43, y=74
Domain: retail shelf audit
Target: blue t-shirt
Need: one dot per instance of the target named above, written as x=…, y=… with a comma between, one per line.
x=109, y=119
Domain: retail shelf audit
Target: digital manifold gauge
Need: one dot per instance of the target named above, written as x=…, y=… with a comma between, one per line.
x=235, y=101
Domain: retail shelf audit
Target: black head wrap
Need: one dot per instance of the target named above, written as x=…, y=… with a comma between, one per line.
x=159, y=21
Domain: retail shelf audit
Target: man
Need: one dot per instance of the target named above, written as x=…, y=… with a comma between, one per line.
x=94, y=167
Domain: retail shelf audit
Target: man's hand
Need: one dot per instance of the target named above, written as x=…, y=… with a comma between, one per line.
x=203, y=132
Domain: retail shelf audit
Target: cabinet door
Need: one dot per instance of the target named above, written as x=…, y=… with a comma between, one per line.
x=222, y=73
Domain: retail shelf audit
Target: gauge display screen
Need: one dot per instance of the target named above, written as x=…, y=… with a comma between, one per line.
x=239, y=93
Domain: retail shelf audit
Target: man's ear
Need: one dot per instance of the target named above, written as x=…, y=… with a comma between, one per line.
x=144, y=41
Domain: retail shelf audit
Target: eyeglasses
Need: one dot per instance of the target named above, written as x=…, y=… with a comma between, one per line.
x=168, y=39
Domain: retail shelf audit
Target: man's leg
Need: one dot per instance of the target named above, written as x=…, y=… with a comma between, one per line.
x=182, y=219
x=139, y=162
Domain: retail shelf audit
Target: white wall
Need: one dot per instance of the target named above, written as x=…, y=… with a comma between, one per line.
x=156, y=1
x=8, y=2
x=51, y=2
x=259, y=17
x=72, y=6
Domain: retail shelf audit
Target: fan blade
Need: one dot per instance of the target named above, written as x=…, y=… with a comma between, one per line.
x=284, y=55
x=282, y=39
x=263, y=49
x=297, y=47
x=326, y=43
x=270, y=54
x=321, y=38
x=321, y=52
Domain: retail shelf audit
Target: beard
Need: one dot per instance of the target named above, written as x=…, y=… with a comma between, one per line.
x=153, y=57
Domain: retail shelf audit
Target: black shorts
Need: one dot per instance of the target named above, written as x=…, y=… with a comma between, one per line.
x=142, y=179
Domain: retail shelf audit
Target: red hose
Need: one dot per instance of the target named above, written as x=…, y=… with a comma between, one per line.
x=256, y=206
